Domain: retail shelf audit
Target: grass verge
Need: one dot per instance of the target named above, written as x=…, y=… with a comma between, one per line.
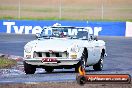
x=6, y=63
x=55, y=18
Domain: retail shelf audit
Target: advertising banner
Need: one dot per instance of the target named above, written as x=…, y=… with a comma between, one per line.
x=33, y=27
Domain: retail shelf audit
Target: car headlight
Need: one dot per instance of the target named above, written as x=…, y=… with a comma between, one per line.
x=28, y=49
x=73, y=56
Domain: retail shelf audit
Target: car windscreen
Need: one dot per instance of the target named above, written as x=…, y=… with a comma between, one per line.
x=82, y=35
x=61, y=32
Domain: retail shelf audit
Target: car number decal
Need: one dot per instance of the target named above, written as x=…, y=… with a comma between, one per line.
x=49, y=60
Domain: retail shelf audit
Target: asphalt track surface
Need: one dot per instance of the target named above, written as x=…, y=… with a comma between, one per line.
x=118, y=61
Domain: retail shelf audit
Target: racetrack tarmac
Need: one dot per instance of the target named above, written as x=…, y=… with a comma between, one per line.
x=118, y=61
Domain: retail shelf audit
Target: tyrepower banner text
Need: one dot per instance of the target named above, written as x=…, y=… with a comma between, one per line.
x=33, y=27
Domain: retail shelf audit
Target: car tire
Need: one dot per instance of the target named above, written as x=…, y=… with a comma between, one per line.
x=99, y=65
x=29, y=69
x=49, y=70
x=77, y=67
x=81, y=80
x=83, y=61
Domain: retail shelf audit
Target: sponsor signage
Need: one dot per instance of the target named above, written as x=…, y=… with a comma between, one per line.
x=103, y=78
x=34, y=27
x=83, y=78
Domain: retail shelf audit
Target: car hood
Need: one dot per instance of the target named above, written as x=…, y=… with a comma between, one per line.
x=54, y=44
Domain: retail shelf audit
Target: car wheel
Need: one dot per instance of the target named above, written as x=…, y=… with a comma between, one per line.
x=84, y=59
x=77, y=67
x=81, y=80
x=29, y=69
x=49, y=70
x=99, y=65
x=82, y=62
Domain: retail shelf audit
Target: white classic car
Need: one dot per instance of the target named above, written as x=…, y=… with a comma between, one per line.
x=60, y=50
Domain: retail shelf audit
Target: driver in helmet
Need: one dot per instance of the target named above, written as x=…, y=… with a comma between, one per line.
x=62, y=34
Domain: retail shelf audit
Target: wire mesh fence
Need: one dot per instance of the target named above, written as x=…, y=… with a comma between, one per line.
x=67, y=9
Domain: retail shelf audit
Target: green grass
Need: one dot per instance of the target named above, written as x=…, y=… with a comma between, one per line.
x=39, y=10
x=7, y=18
x=50, y=9
x=8, y=8
x=29, y=18
x=11, y=8
x=55, y=18
x=6, y=63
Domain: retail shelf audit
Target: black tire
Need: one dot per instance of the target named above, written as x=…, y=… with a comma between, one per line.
x=99, y=65
x=83, y=61
x=81, y=80
x=29, y=69
x=77, y=67
x=49, y=70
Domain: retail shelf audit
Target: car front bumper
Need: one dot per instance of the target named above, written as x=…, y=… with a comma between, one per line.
x=60, y=62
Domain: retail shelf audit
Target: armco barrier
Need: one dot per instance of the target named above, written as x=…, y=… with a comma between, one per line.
x=33, y=27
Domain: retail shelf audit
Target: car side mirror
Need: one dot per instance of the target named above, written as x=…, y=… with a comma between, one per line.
x=38, y=35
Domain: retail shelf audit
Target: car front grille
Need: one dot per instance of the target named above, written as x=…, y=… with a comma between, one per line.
x=50, y=54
